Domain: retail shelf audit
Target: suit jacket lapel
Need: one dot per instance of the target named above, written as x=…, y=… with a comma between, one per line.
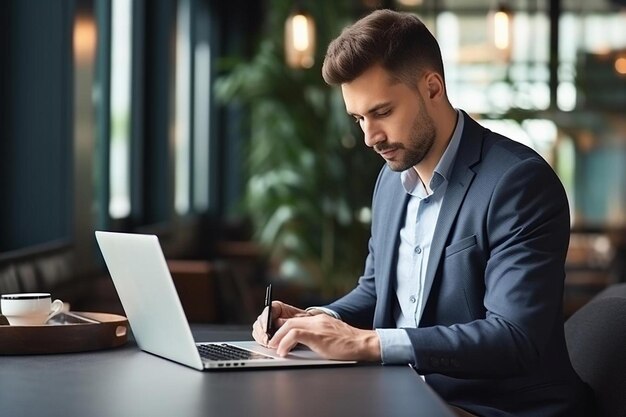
x=467, y=156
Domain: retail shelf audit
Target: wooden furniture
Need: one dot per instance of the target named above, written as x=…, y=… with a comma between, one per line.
x=195, y=282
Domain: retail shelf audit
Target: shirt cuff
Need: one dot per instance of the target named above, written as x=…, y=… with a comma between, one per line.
x=395, y=346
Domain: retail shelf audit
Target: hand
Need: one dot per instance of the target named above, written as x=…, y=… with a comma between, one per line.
x=327, y=336
x=280, y=312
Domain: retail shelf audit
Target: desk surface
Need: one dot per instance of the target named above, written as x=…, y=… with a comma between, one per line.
x=127, y=382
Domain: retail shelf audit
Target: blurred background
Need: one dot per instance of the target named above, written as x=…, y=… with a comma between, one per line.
x=207, y=123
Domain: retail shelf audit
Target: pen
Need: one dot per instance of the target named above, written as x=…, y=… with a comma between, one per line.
x=268, y=304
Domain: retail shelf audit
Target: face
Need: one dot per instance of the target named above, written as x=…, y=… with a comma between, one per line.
x=393, y=118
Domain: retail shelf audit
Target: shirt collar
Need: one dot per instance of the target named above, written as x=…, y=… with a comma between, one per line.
x=411, y=181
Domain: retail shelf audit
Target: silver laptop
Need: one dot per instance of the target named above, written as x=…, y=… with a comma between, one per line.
x=145, y=288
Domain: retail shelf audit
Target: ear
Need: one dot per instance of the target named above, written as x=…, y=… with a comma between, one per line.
x=434, y=85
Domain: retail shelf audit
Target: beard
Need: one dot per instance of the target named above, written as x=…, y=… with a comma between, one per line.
x=421, y=139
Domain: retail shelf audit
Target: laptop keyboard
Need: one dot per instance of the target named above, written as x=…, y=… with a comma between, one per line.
x=226, y=352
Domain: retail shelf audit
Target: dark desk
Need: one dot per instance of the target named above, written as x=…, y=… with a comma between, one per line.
x=127, y=382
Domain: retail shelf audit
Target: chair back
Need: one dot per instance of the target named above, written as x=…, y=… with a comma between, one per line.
x=596, y=340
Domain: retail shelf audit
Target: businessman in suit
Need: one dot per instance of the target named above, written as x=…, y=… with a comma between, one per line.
x=464, y=276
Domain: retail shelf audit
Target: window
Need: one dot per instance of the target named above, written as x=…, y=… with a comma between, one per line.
x=120, y=109
x=184, y=82
x=193, y=108
x=202, y=117
x=483, y=80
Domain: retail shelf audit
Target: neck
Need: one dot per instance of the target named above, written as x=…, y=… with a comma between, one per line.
x=445, y=123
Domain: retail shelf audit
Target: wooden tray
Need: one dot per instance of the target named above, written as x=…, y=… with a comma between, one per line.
x=110, y=332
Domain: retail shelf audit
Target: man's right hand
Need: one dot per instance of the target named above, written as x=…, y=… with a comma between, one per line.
x=280, y=313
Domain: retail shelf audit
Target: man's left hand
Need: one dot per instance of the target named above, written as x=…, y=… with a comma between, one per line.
x=328, y=337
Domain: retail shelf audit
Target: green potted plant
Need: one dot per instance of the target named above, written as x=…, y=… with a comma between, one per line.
x=309, y=178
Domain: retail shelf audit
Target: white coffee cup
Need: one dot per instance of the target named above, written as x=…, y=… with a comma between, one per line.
x=29, y=309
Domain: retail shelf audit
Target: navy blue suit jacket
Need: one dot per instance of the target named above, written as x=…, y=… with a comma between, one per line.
x=490, y=338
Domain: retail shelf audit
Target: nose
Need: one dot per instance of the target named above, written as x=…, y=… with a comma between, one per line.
x=372, y=134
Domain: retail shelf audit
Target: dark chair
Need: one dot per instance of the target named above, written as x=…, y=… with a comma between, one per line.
x=596, y=340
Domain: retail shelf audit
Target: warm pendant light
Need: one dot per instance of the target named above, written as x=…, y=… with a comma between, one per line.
x=300, y=40
x=620, y=65
x=410, y=3
x=501, y=22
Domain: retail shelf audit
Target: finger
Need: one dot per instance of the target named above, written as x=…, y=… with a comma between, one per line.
x=263, y=318
x=284, y=328
x=289, y=341
x=282, y=310
x=260, y=337
x=258, y=321
x=287, y=336
x=259, y=334
x=280, y=322
x=255, y=330
x=305, y=319
x=281, y=329
x=280, y=313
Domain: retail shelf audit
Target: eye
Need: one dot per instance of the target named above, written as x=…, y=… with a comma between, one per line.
x=383, y=113
x=357, y=120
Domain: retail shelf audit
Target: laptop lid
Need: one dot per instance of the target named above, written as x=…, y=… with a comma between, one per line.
x=144, y=285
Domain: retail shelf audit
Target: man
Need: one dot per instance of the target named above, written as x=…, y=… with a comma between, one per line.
x=464, y=277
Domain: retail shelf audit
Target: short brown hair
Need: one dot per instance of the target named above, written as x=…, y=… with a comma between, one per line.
x=399, y=42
